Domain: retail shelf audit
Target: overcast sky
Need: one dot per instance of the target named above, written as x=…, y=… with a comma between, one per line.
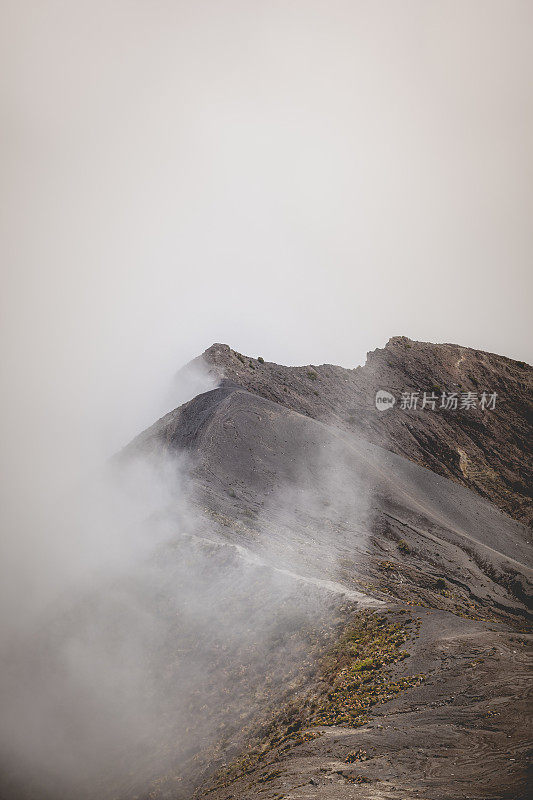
x=299, y=179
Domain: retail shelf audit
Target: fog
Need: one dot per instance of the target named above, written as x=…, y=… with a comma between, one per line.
x=301, y=180
x=141, y=639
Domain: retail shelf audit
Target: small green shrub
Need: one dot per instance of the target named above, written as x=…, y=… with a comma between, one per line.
x=311, y=374
x=363, y=664
x=261, y=359
x=356, y=755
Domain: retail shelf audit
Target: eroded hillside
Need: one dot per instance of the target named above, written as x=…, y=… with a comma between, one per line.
x=486, y=450
x=446, y=572
x=315, y=612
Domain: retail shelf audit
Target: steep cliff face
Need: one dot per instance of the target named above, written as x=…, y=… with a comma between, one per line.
x=486, y=449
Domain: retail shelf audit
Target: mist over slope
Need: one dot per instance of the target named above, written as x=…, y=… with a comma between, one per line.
x=291, y=480
x=297, y=610
x=486, y=450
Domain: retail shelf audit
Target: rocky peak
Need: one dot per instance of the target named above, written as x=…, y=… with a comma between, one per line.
x=485, y=449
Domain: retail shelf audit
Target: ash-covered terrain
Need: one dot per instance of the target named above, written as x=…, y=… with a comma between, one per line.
x=336, y=603
x=489, y=453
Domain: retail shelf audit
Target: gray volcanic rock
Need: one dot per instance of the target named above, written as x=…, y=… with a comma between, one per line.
x=329, y=615
x=317, y=503
x=486, y=450
x=290, y=478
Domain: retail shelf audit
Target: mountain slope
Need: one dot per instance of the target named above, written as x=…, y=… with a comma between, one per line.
x=314, y=613
x=486, y=450
x=261, y=462
x=329, y=511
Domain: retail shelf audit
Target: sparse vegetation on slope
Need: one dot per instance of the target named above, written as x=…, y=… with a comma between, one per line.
x=355, y=675
x=358, y=670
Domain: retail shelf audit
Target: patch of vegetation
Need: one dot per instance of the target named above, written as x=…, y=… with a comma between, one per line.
x=354, y=676
x=251, y=365
x=362, y=664
x=269, y=776
x=357, y=672
x=240, y=357
x=356, y=755
x=440, y=584
x=261, y=359
x=312, y=375
x=403, y=547
x=257, y=756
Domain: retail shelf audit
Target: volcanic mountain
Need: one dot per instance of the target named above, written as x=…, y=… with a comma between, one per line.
x=409, y=519
x=343, y=605
x=486, y=451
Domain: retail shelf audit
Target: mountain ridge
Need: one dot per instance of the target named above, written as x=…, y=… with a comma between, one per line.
x=294, y=488
x=485, y=450
x=315, y=613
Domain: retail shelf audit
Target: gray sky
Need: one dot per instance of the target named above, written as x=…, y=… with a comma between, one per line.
x=301, y=180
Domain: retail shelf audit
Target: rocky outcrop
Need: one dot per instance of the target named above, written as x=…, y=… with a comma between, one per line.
x=485, y=449
x=292, y=489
